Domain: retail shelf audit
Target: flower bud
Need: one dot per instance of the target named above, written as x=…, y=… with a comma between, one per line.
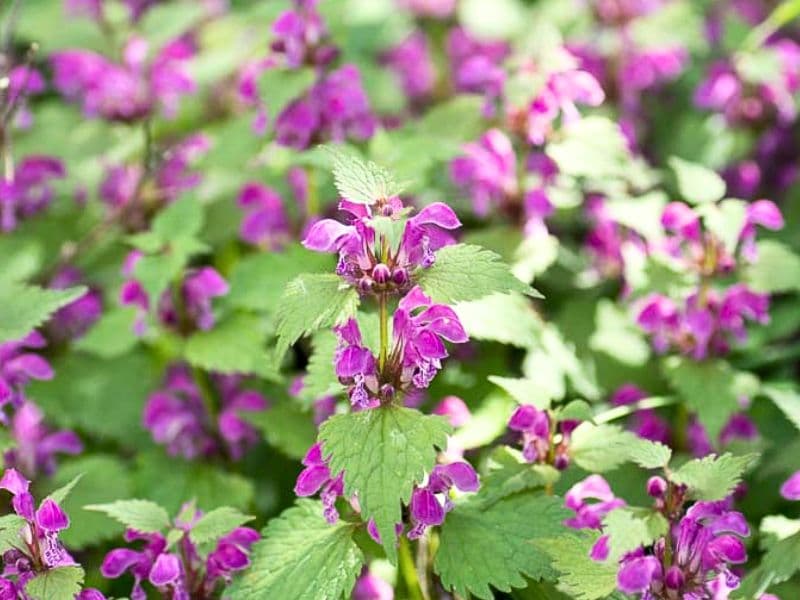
x=381, y=273
x=561, y=461
x=365, y=285
x=400, y=276
x=674, y=578
x=656, y=487
x=387, y=391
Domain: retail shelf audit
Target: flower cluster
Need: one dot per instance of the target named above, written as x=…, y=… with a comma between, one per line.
x=543, y=439
x=179, y=418
x=30, y=191
x=189, y=309
x=129, y=91
x=180, y=572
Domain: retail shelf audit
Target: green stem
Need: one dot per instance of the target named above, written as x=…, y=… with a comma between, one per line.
x=312, y=203
x=783, y=14
x=383, y=316
x=408, y=571
x=644, y=404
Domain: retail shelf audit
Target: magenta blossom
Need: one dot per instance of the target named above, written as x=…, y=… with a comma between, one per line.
x=38, y=548
x=300, y=36
x=265, y=223
x=430, y=503
x=411, y=63
x=74, y=320
x=128, y=91
x=316, y=477
x=590, y=515
x=18, y=366
x=645, y=423
x=30, y=189
x=791, y=487
x=476, y=66
x=372, y=587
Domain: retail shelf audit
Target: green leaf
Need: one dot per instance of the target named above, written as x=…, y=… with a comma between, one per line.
x=713, y=477
x=141, y=515
x=301, y=557
x=725, y=220
x=112, y=335
x=642, y=214
x=493, y=547
x=320, y=379
x=599, y=448
x=105, y=478
x=525, y=391
x=505, y=318
x=580, y=576
x=278, y=87
x=649, y=454
x=286, y=426
x=59, y=495
x=780, y=563
x=180, y=219
x=10, y=526
x=616, y=335
x=709, y=388
x=217, y=523
x=258, y=280
x=593, y=147
x=383, y=452
x=360, y=181
x=787, y=398
x=575, y=410
x=311, y=302
x=62, y=583
x=510, y=473
x=464, y=272
x=696, y=183
x=23, y=307
x=500, y=20
x=156, y=272
x=776, y=270
x=488, y=422
x=170, y=482
x=630, y=528
x=234, y=346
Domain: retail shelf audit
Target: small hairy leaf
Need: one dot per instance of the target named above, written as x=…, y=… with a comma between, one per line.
x=580, y=576
x=141, y=515
x=217, y=523
x=112, y=335
x=62, y=583
x=361, y=181
x=24, y=307
x=600, y=448
x=9, y=532
x=777, y=268
x=301, y=557
x=383, y=453
x=311, y=302
x=696, y=183
x=480, y=549
x=629, y=528
x=180, y=219
x=649, y=454
x=58, y=496
x=713, y=477
x=463, y=272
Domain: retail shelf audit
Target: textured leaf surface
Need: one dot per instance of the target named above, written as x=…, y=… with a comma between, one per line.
x=62, y=583
x=599, y=448
x=233, y=346
x=776, y=270
x=481, y=549
x=696, y=183
x=302, y=557
x=580, y=576
x=311, y=302
x=383, y=453
x=217, y=523
x=464, y=272
x=23, y=308
x=509, y=474
x=629, y=528
x=713, y=477
x=361, y=181
x=287, y=427
x=505, y=318
x=141, y=515
x=780, y=563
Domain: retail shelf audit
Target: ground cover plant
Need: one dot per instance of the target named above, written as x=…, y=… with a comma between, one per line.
x=400, y=299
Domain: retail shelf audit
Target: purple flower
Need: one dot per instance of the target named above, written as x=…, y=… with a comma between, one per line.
x=364, y=263
x=40, y=549
x=30, y=189
x=431, y=502
x=316, y=477
x=265, y=223
x=419, y=328
x=300, y=34
x=702, y=546
x=177, y=417
x=128, y=91
x=120, y=184
x=534, y=425
x=411, y=62
x=590, y=515
x=488, y=170
x=372, y=587
x=791, y=487
x=454, y=409
x=355, y=366
x=476, y=66
x=73, y=320
x=645, y=423
x=35, y=445
x=18, y=366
